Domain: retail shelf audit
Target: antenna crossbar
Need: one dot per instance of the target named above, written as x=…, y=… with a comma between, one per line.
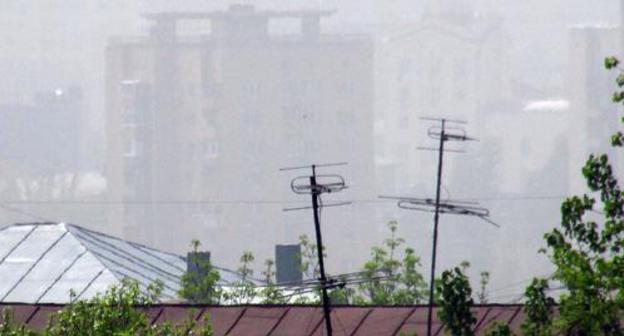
x=446, y=150
x=333, y=164
x=445, y=120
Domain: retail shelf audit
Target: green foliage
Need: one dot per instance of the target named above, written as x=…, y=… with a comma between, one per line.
x=588, y=255
x=112, y=313
x=412, y=288
x=611, y=62
x=483, y=282
x=455, y=302
x=344, y=294
x=115, y=313
x=538, y=309
x=400, y=283
x=271, y=294
x=388, y=279
x=8, y=327
x=499, y=329
x=200, y=286
x=617, y=139
x=243, y=291
x=309, y=257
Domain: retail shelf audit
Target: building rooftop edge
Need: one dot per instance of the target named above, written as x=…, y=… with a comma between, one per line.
x=303, y=13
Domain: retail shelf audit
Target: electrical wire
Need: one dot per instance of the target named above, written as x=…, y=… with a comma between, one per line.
x=260, y=202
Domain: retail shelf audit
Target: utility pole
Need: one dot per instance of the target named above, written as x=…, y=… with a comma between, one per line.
x=443, y=133
x=436, y=218
x=333, y=183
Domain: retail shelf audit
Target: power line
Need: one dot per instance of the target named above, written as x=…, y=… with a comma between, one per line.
x=259, y=202
x=519, y=282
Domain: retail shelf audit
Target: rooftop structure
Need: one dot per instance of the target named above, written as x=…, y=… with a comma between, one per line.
x=299, y=320
x=42, y=262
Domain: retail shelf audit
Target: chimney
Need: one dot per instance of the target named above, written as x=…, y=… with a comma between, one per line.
x=288, y=264
x=197, y=263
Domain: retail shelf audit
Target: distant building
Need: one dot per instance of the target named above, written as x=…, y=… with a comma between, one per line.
x=44, y=137
x=449, y=64
x=589, y=87
x=42, y=262
x=198, y=125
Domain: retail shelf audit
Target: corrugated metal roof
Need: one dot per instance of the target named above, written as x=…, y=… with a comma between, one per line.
x=42, y=262
x=293, y=320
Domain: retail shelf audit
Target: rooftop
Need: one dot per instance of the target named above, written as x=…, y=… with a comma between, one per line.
x=299, y=320
x=239, y=11
x=42, y=262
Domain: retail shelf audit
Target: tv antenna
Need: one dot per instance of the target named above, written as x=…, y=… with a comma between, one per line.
x=315, y=185
x=443, y=133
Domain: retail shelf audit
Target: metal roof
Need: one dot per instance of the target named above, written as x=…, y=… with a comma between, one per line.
x=42, y=262
x=298, y=320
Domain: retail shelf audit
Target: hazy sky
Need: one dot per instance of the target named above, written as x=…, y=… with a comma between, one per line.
x=56, y=45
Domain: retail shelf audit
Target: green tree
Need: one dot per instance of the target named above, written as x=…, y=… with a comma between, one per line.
x=538, y=309
x=388, y=280
x=343, y=294
x=412, y=286
x=455, y=302
x=113, y=313
x=270, y=293
x=8, y=326
x=117, y=312
x=587, y=255
x=309, y=257
x=243, y=291
x=310, y=270
x=499, y=329
x=200, y=284
x=484, y=279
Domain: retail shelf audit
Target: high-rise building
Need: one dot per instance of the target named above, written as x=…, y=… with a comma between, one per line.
x=449, y=64
x=198, y=126
x=589, y=88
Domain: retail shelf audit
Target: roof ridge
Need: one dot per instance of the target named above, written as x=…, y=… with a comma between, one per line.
x=148, y=250
x=135, y=260
x=134, y=244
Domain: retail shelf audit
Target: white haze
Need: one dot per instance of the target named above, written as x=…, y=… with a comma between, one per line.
x=526, y=75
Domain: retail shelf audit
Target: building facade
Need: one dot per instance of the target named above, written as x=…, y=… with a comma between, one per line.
x=198, y=126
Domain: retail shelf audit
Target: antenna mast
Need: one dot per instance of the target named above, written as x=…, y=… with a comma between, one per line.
x=331, y=183
x=443, y=133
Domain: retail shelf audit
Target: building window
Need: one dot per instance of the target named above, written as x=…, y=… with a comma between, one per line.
x=348, y=88
x=211, y=150
x=299, y=113
x=129, y=116
x=250, y=91
x=461, y=76
x=210, y=116
x=346, y=117
x=131, y=147
x=404, y=97
x=403, y=121
x=211, y=89
x=306, y=114
x=251, y=118
x=404, y=69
